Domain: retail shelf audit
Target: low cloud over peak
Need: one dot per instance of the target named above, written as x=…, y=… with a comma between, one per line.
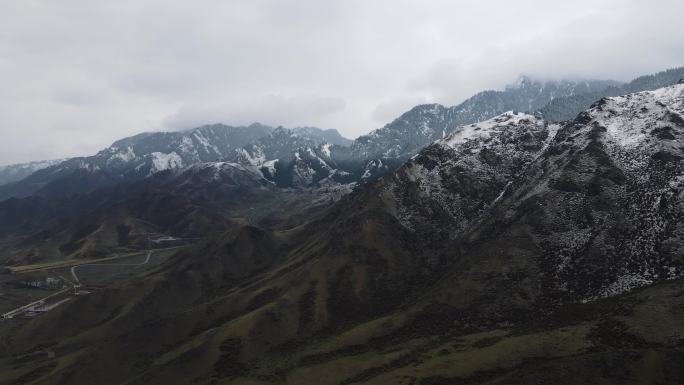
x=79, y=74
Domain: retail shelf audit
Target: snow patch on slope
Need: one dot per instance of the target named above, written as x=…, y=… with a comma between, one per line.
x=162, y=161
x=629, y=119
x=484, y=130
x=126, y=155
x=326, y=149
x=269, y=167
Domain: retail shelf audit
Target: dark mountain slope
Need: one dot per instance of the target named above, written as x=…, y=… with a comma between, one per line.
x=606, y=204
x=197, y=201
x=596, y=214
x=470, y=264
x=200, y=200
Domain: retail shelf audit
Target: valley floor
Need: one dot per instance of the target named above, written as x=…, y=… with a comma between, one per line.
x=636, y=338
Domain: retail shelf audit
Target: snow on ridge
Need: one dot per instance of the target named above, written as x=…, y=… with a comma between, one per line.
x=126, y=155
x=269, y=166
x=219, y=165
x=218, y=168
x=634, y=280
x=206, y=144
x=629, y=118
x=200, y=138
x=30, y=166
x=162, y=161
x=255, y=159
x=187, y=147
x=670, y=93
x=373, y=165
x=483, y=130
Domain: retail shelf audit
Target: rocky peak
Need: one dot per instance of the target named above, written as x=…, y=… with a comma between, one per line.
x=601, y=198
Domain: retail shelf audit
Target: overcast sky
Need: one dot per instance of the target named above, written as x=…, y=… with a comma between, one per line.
x=76, y=75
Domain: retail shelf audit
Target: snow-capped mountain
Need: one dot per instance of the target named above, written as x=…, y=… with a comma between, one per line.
x=143, y=155
x=424, y=124
x=153, y=152
x=281, y=144
x=15, y=172
x=251, y=145
x=600, y=200
x=427, y=123
x=308, y=156
x=468, y=171
x=291, y=162
x=386, y=148
x=289, y=157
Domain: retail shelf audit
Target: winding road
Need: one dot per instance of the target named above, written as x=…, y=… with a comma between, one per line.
x=41, y=301
x=77, y=283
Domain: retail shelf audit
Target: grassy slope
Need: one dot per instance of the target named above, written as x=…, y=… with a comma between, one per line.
x=260, y=307
x=632, y=339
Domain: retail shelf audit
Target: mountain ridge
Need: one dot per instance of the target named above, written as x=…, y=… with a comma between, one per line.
x=144, y=154
x=18, y=171
x=565, y=108
x=367, y=157
x=512, y=250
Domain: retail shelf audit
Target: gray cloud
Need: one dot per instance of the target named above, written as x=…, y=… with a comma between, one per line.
x=389, y=110
x=78, y=74
x=271, y=109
